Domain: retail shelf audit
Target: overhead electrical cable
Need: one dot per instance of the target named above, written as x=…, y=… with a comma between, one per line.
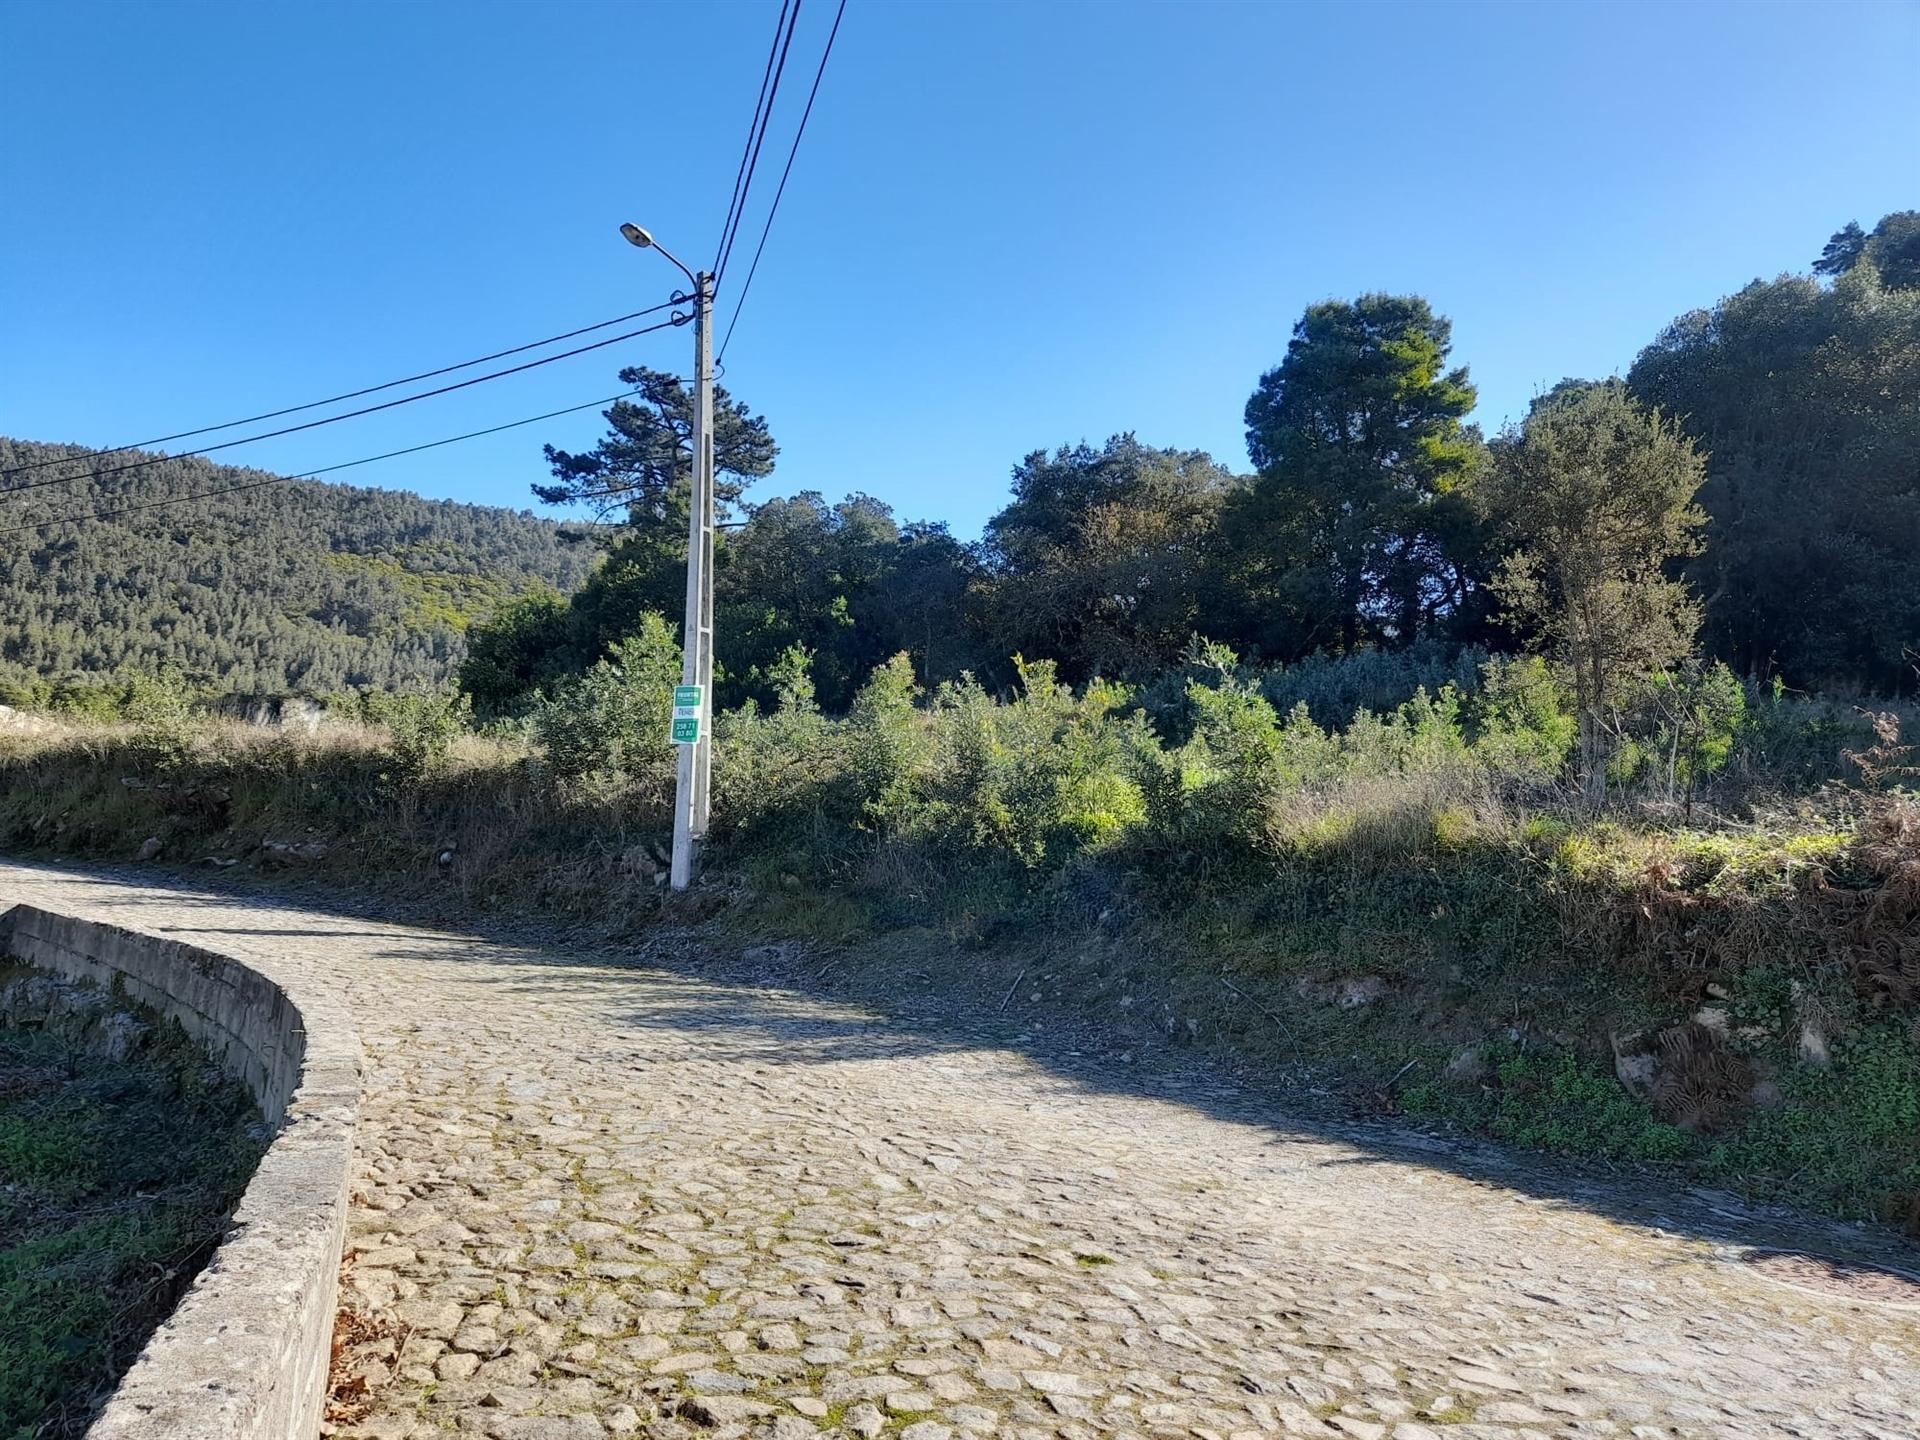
x=753, y=164
x=753, y=126
x=345, y=415
x=349, y=395
x=309, y=474
x=774, y=209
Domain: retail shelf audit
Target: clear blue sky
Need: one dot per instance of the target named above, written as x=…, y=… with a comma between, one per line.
x=1010, y=226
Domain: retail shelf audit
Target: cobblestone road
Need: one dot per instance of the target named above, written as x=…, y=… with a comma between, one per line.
x=600, y=1199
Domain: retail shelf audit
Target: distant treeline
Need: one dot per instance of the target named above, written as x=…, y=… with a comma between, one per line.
x=295, y=587
x=1373, y=518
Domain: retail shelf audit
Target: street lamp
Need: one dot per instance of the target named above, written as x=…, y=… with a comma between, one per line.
x=694, y=773
x=643, y=239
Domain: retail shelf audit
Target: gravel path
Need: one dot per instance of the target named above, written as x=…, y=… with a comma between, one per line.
x=602, y=1198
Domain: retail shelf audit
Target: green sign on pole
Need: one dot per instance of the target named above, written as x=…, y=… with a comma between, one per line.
x=686, y=715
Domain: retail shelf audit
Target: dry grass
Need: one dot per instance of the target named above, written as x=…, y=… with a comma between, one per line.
x=480, y=829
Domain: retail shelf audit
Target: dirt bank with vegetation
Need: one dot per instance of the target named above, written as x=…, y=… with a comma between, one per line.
x=1719, y=971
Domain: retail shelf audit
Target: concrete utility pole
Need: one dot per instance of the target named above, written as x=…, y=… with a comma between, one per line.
x=693, y=702
x=690, y=806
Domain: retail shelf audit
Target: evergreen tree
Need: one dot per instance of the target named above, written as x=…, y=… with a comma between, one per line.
x=1356, y=528
x=1594, y=495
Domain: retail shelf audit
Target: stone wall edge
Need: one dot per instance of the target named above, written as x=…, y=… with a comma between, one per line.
x=244, y=1356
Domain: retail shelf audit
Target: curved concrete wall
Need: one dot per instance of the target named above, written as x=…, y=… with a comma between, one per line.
x=244, y=1355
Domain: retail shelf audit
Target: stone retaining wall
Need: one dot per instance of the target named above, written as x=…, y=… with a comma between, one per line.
x=244, y=1355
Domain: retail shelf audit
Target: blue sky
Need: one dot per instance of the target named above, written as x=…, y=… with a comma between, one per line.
x=1011, y=226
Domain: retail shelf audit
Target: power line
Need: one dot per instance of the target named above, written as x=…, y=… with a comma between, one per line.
x=753, y=164
x=783, y=29
x=336, y=399
x=309, y=474
x=774, y=209
x=752, y=126
x=345, y=415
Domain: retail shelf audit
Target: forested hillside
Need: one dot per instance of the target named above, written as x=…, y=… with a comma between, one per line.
x=301, y=586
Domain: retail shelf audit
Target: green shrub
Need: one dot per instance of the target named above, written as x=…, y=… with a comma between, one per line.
x=887, y=746
x=420, y=729
x=86, y=699
x=775, y=773
x=1336, y=687
x=1681, y=729
x=1235, y=760
x=1791, y=741
x=1523, y=724
x=1038, y=779
x=27, y=692
x=160, y=708
x=612, y=722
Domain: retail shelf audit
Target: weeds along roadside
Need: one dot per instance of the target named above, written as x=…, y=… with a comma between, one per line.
x=1409, y=907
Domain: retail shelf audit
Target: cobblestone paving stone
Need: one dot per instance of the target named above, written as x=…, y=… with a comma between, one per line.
x=605, y=1200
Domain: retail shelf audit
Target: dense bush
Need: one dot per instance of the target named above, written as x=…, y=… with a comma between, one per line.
x=1334, y=688
x=1051, y=773
x=612, y=721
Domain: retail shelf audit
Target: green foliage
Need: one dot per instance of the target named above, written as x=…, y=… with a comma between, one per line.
x=1595, y=495
x=1102, y=561
x=887, y=745
x=1039, y=779
x=519, y=652
x=849, y=584
x=642, y=469
x=1523, y=723
x=420, y=728
x=1892, y=250
x=1357, y=527
x=1683, y=727
x=160, y=707
x=1336, y=687
x=1238, y=757
x=1794, y=743
x=846, y=583
x=1806, y=400
x=613, y=720
x=1553, y=1101
x=777, y=768
x=98, y=701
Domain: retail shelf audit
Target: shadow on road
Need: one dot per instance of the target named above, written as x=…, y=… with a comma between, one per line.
x=801, y=1013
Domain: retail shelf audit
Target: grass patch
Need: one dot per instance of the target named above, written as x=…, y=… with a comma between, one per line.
x=116, y=1181
x=1553, y=1102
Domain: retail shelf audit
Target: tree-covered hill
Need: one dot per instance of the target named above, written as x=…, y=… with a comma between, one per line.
x=300, y=586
